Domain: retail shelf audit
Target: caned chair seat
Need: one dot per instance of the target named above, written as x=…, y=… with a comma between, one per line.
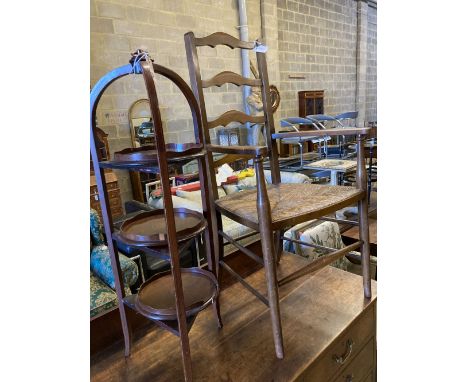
x=271, y=209
x=290, y=203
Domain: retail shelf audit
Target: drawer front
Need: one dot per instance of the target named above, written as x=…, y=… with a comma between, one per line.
x=361, y=365
x=116, y=211
x=341, y=352
x=112, y=186
x=114, y=193
x=114, y=202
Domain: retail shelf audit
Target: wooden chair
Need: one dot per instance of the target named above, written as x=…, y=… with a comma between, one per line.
x=272, y=209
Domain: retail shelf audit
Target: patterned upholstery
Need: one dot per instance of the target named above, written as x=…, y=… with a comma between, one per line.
x=101, y=267
x=102, y=298
x=327, y=234
x=288, y=201
x=102, y=294
x=97, y=236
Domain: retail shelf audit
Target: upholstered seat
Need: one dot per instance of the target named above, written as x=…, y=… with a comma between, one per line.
x=289, y=202
x=102, y=295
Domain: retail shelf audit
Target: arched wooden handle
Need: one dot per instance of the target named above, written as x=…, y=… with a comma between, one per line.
x=342, y=359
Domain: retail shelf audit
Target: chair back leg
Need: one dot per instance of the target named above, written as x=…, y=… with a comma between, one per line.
x=361, y=183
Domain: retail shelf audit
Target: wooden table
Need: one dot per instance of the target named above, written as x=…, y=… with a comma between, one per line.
x=352, y=235
x=321, y=314
x=335, y=166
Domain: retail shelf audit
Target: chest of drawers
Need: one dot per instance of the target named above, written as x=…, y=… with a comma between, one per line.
x=329, y=332
x=113, y=190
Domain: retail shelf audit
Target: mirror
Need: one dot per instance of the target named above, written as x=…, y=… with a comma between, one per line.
x=141, y=123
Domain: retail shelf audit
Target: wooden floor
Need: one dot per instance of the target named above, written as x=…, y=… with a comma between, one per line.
x=314, y=309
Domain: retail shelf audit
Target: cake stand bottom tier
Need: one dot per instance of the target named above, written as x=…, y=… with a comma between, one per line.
x=156, y=297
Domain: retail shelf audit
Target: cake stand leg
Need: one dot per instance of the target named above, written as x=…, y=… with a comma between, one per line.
x=126, y=329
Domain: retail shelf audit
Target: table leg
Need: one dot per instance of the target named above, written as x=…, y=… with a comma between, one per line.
x=334, y=178
x=369, y=174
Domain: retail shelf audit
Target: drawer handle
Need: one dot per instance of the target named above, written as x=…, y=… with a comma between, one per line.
x=342, y=359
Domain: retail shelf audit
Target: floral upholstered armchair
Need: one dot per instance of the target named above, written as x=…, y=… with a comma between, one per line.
x=102, y=284
x=327, y=234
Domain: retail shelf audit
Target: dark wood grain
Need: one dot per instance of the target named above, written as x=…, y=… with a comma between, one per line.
x=230, y=158
x=234, y=116
x=221, y=38
x=248, y=151
x=231, y=78
x=148, y=76
x=319, y=263
x=268, y=249
x=269, y=120
x=321, y=133
x=321, y=312
x=96, y=93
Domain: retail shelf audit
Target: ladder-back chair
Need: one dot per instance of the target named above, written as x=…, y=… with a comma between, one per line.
x=271, y=209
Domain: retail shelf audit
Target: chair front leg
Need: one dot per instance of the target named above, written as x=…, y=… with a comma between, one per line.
x=266, y=234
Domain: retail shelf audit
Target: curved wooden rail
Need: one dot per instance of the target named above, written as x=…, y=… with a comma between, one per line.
x=234, y=116
x=221, y=38
x=231, y=78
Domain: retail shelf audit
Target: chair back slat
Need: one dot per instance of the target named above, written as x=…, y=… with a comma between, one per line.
x=234, y=116
x=221, y=38
x=231, y=78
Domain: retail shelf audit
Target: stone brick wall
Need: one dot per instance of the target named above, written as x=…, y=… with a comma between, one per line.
x=119, y=27
x=317, y=39
x=313, y=38
x=371, y=93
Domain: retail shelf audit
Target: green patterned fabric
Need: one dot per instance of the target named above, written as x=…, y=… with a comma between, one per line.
x=101, y=266
x=97, y=236
x=102, y=298
x=102, y=285
x=326, y=234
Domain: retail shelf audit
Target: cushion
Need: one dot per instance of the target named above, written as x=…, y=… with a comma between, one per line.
x=97, y=236
x=231, y=188
x=177, y=202
x=288, y=177
x=101, y=266
x=195, y=196
x=251, y=181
